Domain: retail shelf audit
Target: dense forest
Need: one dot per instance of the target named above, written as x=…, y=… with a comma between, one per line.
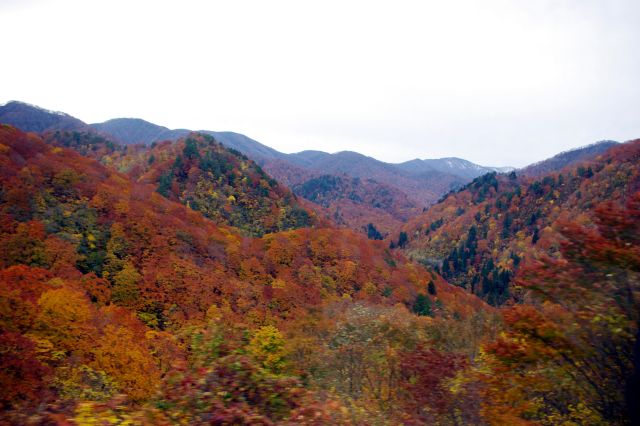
x=178, y=283
x=478, y=236
x=220, y=182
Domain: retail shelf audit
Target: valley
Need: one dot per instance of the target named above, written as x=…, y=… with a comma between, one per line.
x=158, y=276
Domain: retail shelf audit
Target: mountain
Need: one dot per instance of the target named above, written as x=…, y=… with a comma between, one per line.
x=451, y=165
x=126, y=295
x=361, y=204
x=137, y=131
x=478, y=235
x=422, y=184
x=408, y=187
x=113, y=297
x=31, y=118
x=389, y=193
x=221, y=183
x=567, y=158
x=359, y=165
x=249, y=147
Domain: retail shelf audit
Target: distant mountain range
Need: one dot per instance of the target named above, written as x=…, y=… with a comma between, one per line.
x=31, y=118
x=135, y=130
x=408, y=187
x=426, y=179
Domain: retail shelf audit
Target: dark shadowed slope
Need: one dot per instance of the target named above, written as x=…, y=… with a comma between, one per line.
x=135, y=130
x=249, y=147
x=31, y=118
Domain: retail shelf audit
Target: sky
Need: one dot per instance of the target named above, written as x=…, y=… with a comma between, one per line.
x=501, y=83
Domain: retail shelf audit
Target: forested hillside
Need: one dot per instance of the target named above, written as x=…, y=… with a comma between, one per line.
x=359, y=203
x=222, y=183
x=179, y=283
x=109, y=288
x=478, y=236
x=372, y=194
x=232, y=213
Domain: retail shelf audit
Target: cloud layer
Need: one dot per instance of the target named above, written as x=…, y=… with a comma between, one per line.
x=495, y=82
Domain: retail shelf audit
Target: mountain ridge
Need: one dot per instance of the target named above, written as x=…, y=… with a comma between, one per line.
x=136, y=130
x=37, y=119
x=419, y=189
x=418, y=183
x=567, y=158
x=123, y=129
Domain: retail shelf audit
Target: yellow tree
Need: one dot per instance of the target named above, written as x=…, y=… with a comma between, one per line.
x=267, y=347
x=125, y=357
x=65, y=320
x=125, y=285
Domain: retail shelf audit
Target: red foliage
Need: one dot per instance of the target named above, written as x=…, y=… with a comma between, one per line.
x=23, y=378
x=425, y=373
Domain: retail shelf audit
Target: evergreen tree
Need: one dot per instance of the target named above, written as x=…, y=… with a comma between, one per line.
x=373, y=233
x=403, y=239
x=422, y=305
x=190, y=150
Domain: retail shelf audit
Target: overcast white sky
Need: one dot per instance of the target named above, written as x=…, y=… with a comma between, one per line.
x=495, y=82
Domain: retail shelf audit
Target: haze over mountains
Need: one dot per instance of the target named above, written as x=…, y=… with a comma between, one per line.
x=134, y=130
x=389, y=192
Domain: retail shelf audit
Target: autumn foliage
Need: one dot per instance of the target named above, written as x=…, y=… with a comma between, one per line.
x=180, y=284
x=478, y=236
x=568, y=354
x=103, y=278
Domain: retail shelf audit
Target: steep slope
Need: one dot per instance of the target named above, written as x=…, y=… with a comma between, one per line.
x=223, y=184
x=79, y=201
x=197, y=171
x=31, y=118
x=479, y=235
